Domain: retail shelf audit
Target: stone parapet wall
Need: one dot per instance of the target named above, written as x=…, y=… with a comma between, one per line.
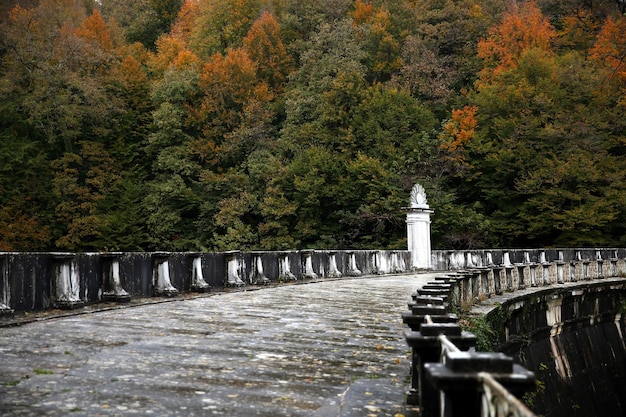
x=445, y=260
x=483, y=273
x=39, y=281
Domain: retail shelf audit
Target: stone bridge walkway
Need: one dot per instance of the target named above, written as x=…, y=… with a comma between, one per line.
x=329, y=348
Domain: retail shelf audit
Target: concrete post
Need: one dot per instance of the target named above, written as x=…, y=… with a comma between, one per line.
x=459, y=378
x=257, y=274
x=307, y=265
x=284, y=268
x=5, y=310
x=66, y=282
x=111, y=282
x=333, y=271
x=233, y=278
x=418, y=229
x=198, y=284
x=426, y=348
x=161, y=283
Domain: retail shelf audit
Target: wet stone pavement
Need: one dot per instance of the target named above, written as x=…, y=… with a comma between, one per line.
x=329, y=348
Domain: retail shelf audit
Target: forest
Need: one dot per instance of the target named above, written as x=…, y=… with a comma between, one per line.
x=215, y=125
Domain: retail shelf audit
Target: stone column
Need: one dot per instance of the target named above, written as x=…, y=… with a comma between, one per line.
x=353, y=269
x=257, y=275
x=161, y=283
x=307, y=264
x=284, y=268
x=198, y=284
x=232, y=269
x=418, y=229
x=5, y=310
x=66, y=282
x=111, y=282
x=333, y=271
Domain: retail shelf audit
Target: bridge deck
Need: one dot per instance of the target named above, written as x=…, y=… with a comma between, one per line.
x=328, y=348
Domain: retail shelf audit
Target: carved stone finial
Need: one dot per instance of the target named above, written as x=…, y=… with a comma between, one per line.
x=418, y=197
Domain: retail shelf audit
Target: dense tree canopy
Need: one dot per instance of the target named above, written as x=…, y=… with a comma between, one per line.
x=284, y=124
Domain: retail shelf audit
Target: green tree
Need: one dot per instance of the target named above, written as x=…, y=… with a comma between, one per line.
x=82, y=181
x=544, y=160
x=221, y=24
x=171, y=201
x=143, y=20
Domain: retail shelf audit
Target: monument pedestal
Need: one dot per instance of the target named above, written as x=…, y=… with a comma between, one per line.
x=418, y=229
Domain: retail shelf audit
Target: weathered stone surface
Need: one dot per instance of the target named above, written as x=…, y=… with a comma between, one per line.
x=324, y=349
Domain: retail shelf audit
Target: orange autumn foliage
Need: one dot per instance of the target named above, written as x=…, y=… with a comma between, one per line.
x=230, y=88
x=20, y=231
x=521, y=28
x=173, y=52
x=130, y=72
x=185, y=21
x=264, y=45
x=610, y=46
x=362, y=12
x=458, y=131
x=94, y=30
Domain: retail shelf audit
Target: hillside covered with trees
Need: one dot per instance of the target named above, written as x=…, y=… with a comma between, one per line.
x=285, y=124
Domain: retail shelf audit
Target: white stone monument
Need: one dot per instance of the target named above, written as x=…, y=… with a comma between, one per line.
x=418, y=228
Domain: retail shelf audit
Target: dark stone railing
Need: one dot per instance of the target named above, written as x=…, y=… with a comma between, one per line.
x=444, y=361
x=38, y=281
x=450, y=260
x=542, y=292
x=481, y=274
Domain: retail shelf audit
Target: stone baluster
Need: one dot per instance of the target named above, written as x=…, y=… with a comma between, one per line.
x=257, y=272
x=620, y=264
x=66, y=282
x=573, y=276
x=497, y=279
x=111, y=281
x=333, y=271
x=394, y=264
x=454, y=296
x=533, y=274
x=613, y=262
x=474, y=284
x=521, y=284
x=284, y=268
x=233, y=277
x=456, y=260
x=600, y=265
x=198, y=284
x=465, y=287
x=560, y=265
x=307, y=265
x=489, y=260
x=161, y=283
x=353, y=270
x=484, y=282
x=508, y=271
x=382, y=264
x=521, y=271
x=400, y=262
x=491, y=277
x=585, y=267
x=5, y=289
x=545, y=269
